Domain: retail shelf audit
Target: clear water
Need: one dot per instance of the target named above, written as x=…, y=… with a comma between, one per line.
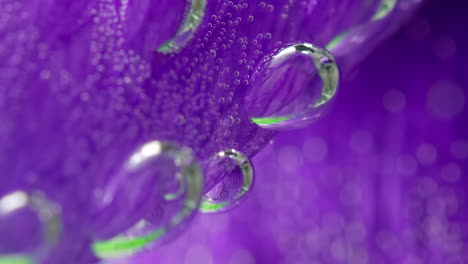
x=147, y=162
x=292, y=86
x=208, y=205
x=193, y=18
x=27, y=214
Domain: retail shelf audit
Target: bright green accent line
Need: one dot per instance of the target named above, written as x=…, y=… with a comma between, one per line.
x=206, y=207
x=166, y=47
x=15, y=260
x=122, y=246
x=268, y=121
x=386, y=6
x=336, y=41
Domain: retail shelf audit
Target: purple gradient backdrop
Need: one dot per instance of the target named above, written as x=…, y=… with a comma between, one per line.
x=380, y=179
x=81, y=87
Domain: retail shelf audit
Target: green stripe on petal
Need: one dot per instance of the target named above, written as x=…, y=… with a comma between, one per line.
x=15, y=260
x=268, y=121
x=124, y=246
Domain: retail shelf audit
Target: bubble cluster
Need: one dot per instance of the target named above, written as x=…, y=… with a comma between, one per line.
x=92, y=91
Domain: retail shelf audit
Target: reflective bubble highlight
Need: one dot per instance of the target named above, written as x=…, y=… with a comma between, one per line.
x=208, y=205
x=148, y=231
x=192, y=20
x=292, y=86
x=28, y=215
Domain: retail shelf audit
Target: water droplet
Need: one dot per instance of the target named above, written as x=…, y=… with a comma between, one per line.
x=146, y=162
x=195, y=14
x=208, y=205
x=30, y=224
x=229, y=121
x=213, y=53
x=291, y=86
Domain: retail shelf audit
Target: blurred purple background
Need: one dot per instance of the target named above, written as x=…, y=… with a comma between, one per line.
x=380, y=179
